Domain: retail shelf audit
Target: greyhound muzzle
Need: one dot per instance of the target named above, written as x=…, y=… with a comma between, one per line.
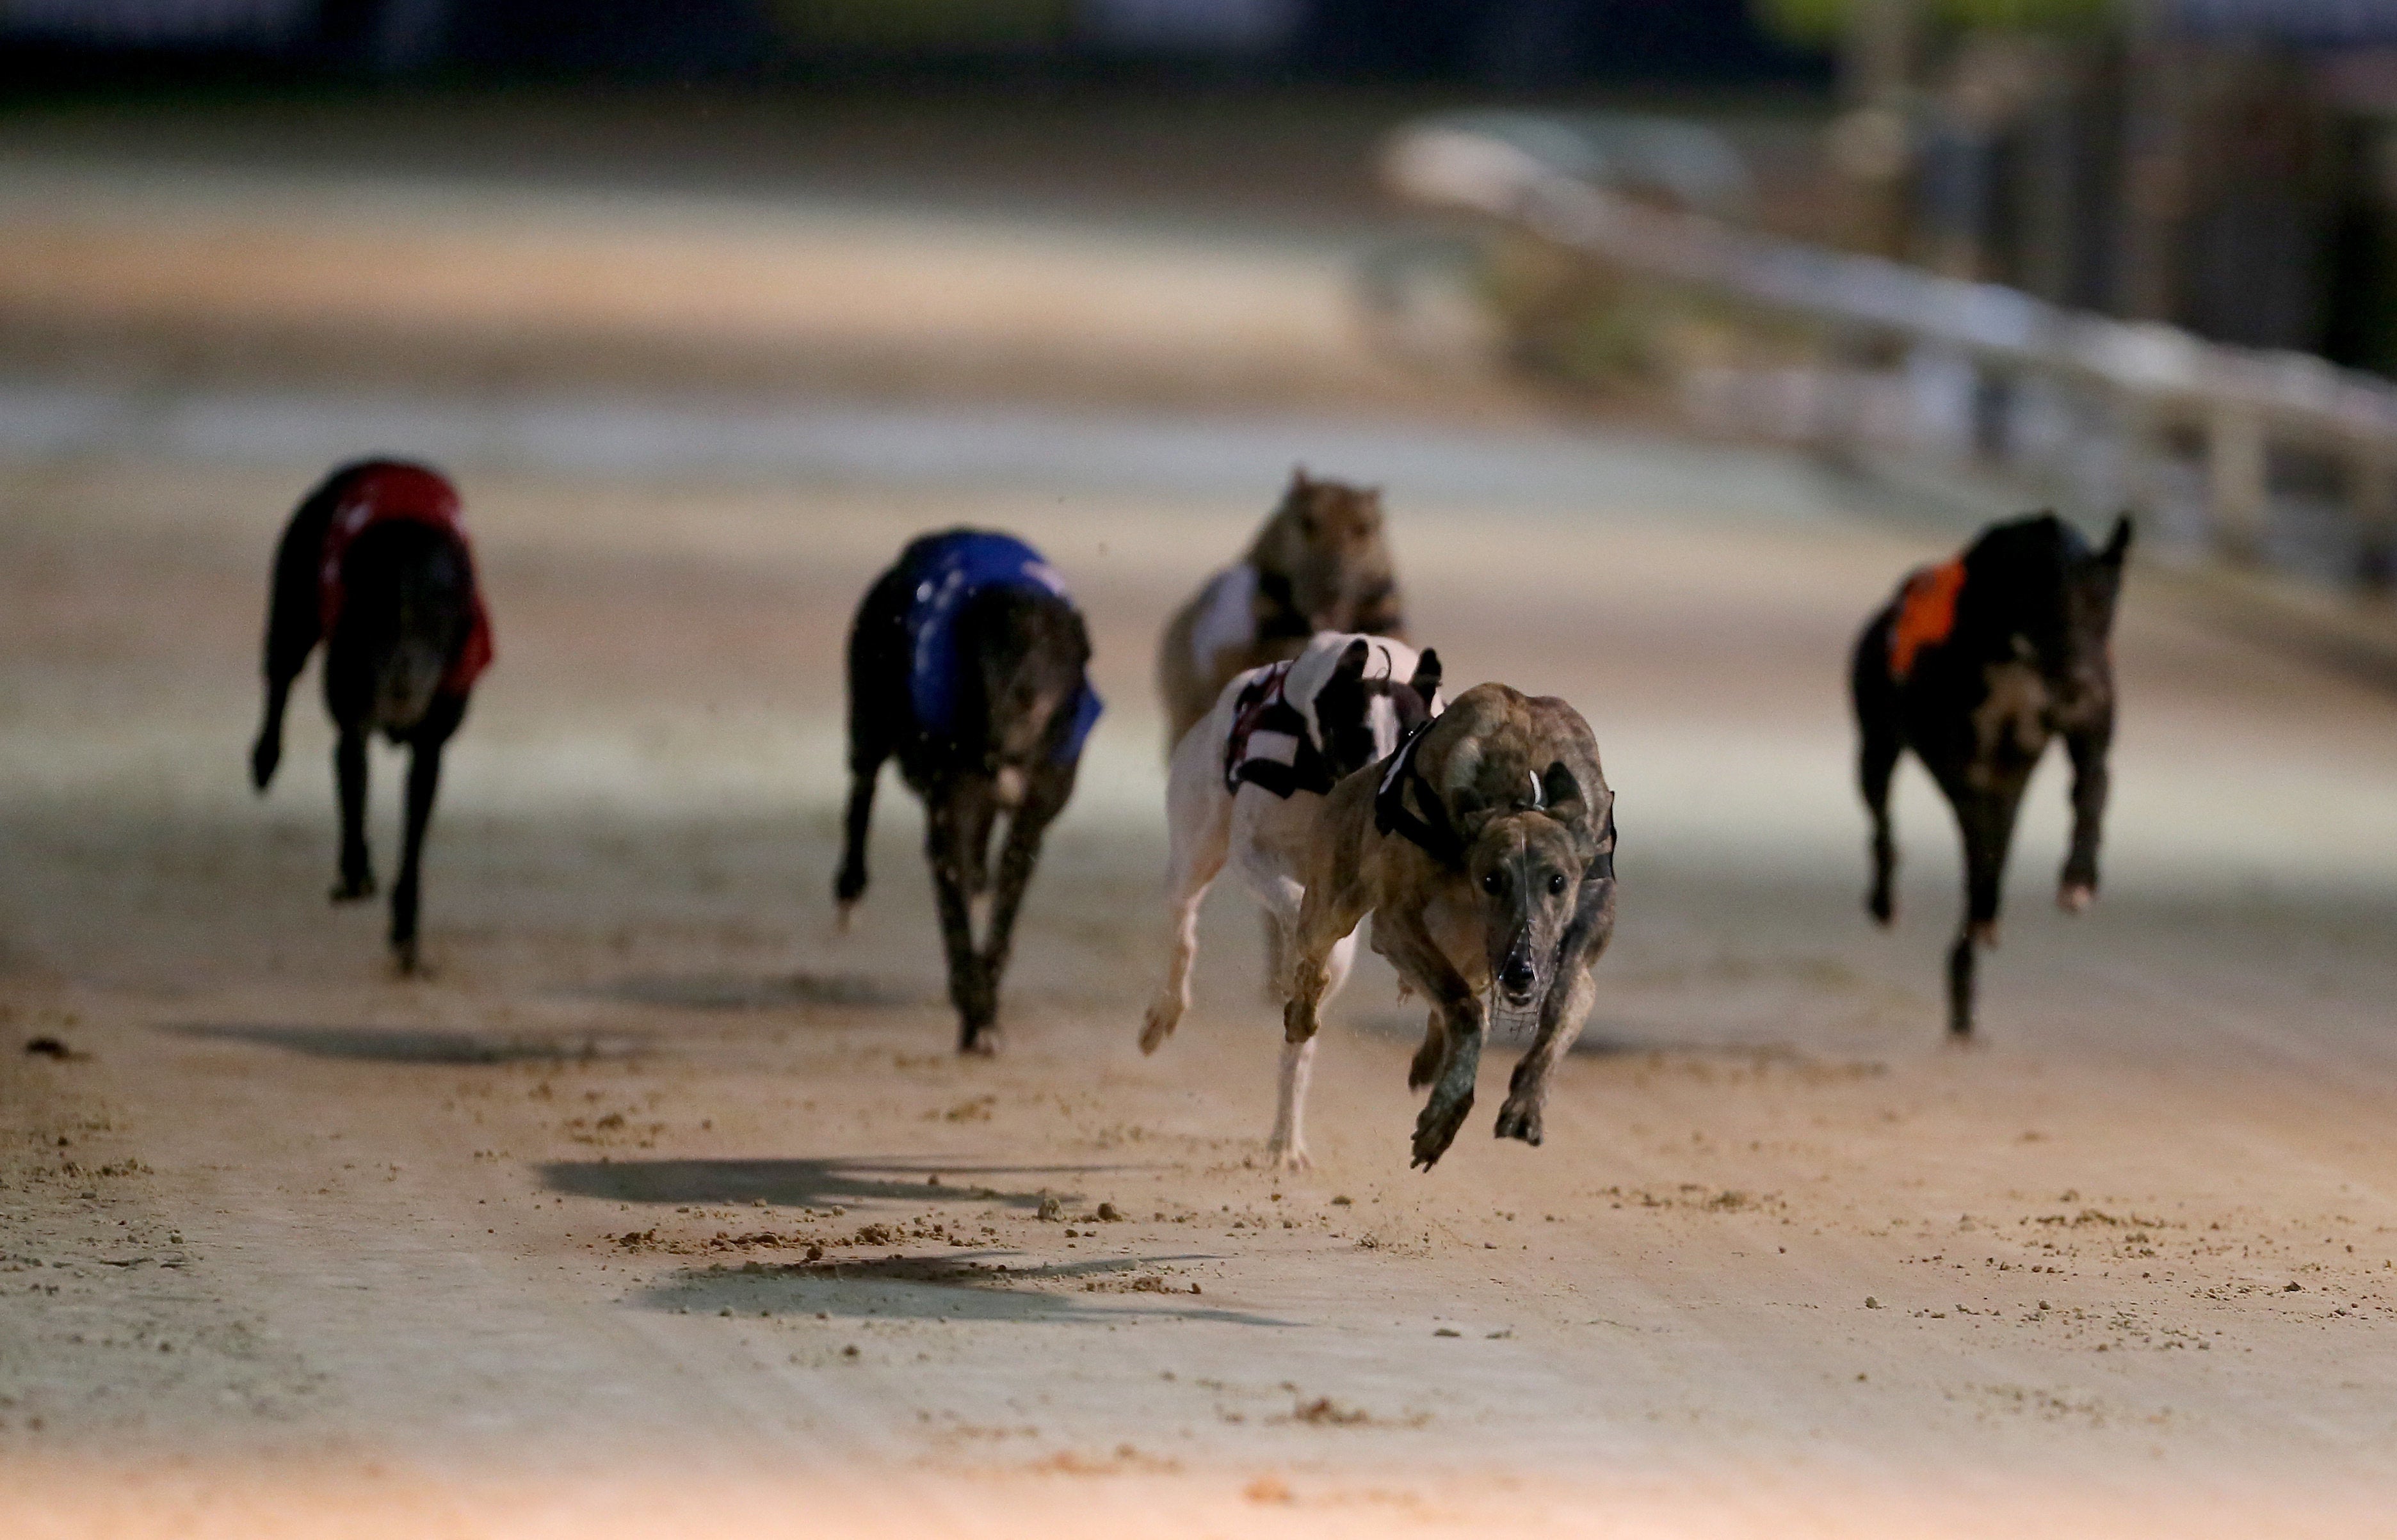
x=1517, y=981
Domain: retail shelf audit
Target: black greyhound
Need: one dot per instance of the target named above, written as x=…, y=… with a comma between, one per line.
x=967, y=661
x=1975, y=665
x=376, y=565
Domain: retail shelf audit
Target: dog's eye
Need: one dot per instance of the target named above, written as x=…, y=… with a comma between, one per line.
x=1494, y=883
x=1556, y=882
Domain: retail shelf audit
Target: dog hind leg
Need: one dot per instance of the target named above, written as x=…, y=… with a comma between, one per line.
x=1879, y=743
x=1285, y=1146
x=1201, y=828
x=294, y=625
x=864, y=769
x=1430, y=1054
x=1876, y=762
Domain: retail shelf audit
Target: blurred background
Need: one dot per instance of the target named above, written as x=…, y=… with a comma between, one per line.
x=1675, y=331
x=2218, y=177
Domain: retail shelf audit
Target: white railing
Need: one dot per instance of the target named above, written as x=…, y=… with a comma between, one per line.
x=2153, y=378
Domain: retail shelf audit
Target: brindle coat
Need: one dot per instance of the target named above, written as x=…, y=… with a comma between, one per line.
x=1321, y=563
x=1484, y=850
x=1976, y=692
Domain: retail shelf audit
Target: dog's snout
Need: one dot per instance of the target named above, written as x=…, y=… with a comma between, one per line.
x=1519, y=979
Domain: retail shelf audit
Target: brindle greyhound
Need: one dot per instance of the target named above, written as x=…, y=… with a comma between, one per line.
x=1246, y=785
x=375, y=564
x=967, y=661
x=1484, y=850
x=1975, y=665
x=1321, y=562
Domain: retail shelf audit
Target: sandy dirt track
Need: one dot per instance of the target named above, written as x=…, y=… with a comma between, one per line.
x=292, y=1247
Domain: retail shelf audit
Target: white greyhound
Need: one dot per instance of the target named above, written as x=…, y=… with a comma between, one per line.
x=1246, y=783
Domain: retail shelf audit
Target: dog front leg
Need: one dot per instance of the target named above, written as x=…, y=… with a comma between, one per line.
x=970, y=989
x=1044, y=797
x=1326, y=916
x=1561, y=1014
x=423, y=783
x=1527, y=1093
x=1401, y=937
x=350, y=775
x=1986, y=815
x=2090, y=784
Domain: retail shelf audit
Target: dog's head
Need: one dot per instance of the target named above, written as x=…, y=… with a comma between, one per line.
x=2036, y=584
x=1526, y=869
x=1326, y=541
x=1362, y=709
x=1520, y=784
x=1029, y=652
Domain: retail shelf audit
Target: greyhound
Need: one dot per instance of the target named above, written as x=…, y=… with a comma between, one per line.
x=1247, y=784
x=1975, y=665
x=1483, y=847
x=375, y=564
x=967, y=661
x=1319, y=563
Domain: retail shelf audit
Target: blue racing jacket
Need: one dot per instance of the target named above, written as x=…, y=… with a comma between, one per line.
x=946, y=570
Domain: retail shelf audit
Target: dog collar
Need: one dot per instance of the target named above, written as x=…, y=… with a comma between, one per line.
x=1434, y=835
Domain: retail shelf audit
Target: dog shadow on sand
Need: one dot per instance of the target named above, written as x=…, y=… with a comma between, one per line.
x=815, y=1184
x=966, y=1286
x=417, y=1045
x=732, y=991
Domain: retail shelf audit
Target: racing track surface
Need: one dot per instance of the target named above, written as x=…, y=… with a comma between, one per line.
x=291, y=1246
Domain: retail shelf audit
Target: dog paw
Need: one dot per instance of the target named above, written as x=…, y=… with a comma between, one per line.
x=2073, y=897
x=1158, y=1027
x=350, y=889
x=264, y=757
x=1882, y=907
x=407, y=962
x=1291, y=1156
x=1435, y=1127
x=1520, y=1119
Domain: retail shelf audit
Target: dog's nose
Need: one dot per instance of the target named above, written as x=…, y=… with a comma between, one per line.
x=1516, y=980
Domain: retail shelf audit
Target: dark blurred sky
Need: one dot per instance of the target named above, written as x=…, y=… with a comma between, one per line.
x=1529, y=43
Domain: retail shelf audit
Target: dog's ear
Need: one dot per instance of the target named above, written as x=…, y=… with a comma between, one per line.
x=1298, y=482
x=2119, y=546
x=1425, y=682
x=1350, y=669
x=1562, y=798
